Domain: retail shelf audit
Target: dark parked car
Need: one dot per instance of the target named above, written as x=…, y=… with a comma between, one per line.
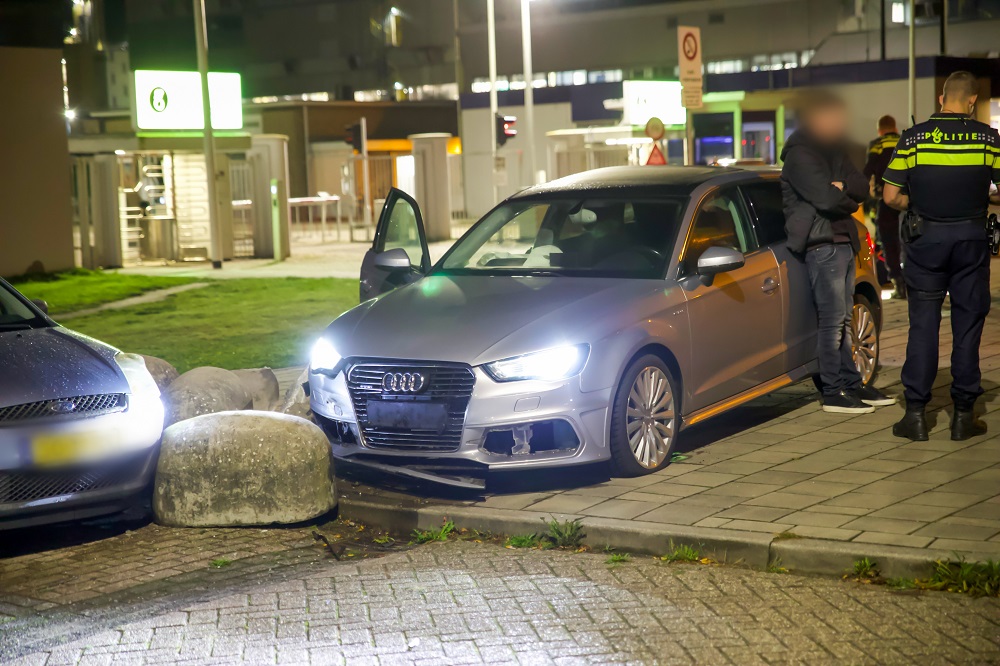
x=79, y=420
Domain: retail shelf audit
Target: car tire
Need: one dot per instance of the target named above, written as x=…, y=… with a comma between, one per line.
x=644, y=418
x=865, y=333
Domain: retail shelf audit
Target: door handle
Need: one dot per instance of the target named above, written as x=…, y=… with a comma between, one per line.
x=770, y=284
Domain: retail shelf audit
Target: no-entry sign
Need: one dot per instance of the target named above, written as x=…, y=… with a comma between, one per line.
x=689, y=55
x=689, y=60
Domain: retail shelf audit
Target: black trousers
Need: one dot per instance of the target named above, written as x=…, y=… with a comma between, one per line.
x=887, y=221
x=953, y=259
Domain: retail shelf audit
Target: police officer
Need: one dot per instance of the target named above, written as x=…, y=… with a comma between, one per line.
x=940, y=173
x=886, y=219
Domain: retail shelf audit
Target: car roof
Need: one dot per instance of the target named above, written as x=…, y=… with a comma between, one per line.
x=676, y=180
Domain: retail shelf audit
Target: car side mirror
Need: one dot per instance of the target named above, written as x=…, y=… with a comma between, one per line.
x=40, y=304
x=716, y=260
x=393, y=260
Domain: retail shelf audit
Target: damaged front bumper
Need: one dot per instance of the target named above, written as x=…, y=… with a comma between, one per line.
x=507, y=426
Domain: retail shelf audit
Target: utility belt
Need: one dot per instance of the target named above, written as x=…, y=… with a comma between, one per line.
x=912, y=226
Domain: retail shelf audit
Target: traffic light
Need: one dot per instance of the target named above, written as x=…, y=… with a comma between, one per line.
x=352, y=135
x=505, y=128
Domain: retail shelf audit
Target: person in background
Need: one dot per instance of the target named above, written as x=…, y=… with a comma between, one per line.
x=821, y=189
x=886, y=218
x=940, y=174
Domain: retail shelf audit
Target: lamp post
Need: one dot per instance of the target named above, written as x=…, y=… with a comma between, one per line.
x=529, y=93
x=491, y=39
x=912, y=80
x=201, y=42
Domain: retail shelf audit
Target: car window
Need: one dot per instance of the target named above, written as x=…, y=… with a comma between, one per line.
x=615, y=236
x=719, y=222
x=14, y=314
x=402, y=231
x=765, y=203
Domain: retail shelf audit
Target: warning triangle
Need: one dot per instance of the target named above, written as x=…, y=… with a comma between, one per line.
x=656, y=157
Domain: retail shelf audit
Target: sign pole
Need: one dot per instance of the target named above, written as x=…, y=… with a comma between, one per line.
x=692, y=79
x=201, y=40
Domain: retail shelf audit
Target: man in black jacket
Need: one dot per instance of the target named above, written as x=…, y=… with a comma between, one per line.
x=821, y=190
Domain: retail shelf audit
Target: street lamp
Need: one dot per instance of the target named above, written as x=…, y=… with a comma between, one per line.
x=529, y=92
x=208, y=139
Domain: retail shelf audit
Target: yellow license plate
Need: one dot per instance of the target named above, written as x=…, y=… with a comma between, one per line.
x=65, y=448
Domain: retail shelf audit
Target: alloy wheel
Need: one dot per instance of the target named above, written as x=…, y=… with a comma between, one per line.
x=649, y=422
x=864, y=341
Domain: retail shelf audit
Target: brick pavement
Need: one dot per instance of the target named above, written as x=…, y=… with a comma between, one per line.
x=105, y=564
x=461, y=602
x=780, y=465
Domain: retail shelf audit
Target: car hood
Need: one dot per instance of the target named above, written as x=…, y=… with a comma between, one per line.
x=49, y=363
x=478, y=319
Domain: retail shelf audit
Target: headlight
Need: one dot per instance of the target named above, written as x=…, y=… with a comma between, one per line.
x=324, y=357
x=144, y=402
x=548, y=365
x=139, y=380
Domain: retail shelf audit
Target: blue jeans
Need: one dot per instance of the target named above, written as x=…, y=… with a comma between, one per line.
x=831, y=276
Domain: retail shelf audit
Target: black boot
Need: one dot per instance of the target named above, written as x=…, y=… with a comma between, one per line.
x=913, y=425
x=965, y=425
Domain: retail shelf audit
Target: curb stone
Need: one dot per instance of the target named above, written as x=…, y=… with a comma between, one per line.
x=730, y=546
x=754, y=549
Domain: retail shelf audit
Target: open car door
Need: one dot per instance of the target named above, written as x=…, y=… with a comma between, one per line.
x=399, y=253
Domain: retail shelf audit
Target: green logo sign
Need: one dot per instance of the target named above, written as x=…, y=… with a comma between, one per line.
x=170, y=100
x=937, y=134
x=158, y=99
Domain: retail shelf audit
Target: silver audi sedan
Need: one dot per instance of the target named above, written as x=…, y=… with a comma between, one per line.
x=79, y=420
x=589, y=319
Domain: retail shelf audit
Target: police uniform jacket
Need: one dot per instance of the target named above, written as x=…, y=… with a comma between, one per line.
x=945, y=165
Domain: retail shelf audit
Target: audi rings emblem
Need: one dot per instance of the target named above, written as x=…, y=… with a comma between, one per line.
x=403, y=382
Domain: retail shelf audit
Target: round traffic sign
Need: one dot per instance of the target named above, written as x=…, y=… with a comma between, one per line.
x=690, y=46
x=654, y=128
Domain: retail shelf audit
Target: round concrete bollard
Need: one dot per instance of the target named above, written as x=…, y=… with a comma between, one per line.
x=204, y=391
x=243, y=468
x=262, y=385
x=163, y=373
x=296, y=402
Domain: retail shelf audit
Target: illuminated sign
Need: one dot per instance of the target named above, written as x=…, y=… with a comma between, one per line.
x=653, y=99
x=172, y=100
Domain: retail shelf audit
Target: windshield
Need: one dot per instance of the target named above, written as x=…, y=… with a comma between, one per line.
x=606, y=237
x=14, y=314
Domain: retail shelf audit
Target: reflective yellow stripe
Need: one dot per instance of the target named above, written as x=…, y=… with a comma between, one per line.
x=954, y=146
x=904, y=151
x=952, y=159
x=891, y=183
x=901, y=163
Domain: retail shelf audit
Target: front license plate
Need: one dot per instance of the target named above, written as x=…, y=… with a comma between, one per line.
x=407, y=415
x=55, y=449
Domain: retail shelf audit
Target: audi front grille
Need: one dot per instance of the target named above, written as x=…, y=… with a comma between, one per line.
x=447, y=384
x=64, y=408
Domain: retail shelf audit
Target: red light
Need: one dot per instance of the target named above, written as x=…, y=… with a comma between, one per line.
x=753, y=143
x=871, y=243
x=767, y=138
x=744, y=142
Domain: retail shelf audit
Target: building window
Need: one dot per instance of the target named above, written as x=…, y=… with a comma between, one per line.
x=898, y=12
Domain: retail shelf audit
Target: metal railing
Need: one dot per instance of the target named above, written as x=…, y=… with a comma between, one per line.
x=310, y=218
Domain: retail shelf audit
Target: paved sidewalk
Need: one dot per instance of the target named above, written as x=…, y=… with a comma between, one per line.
x=781, y=466
x=466, y=603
